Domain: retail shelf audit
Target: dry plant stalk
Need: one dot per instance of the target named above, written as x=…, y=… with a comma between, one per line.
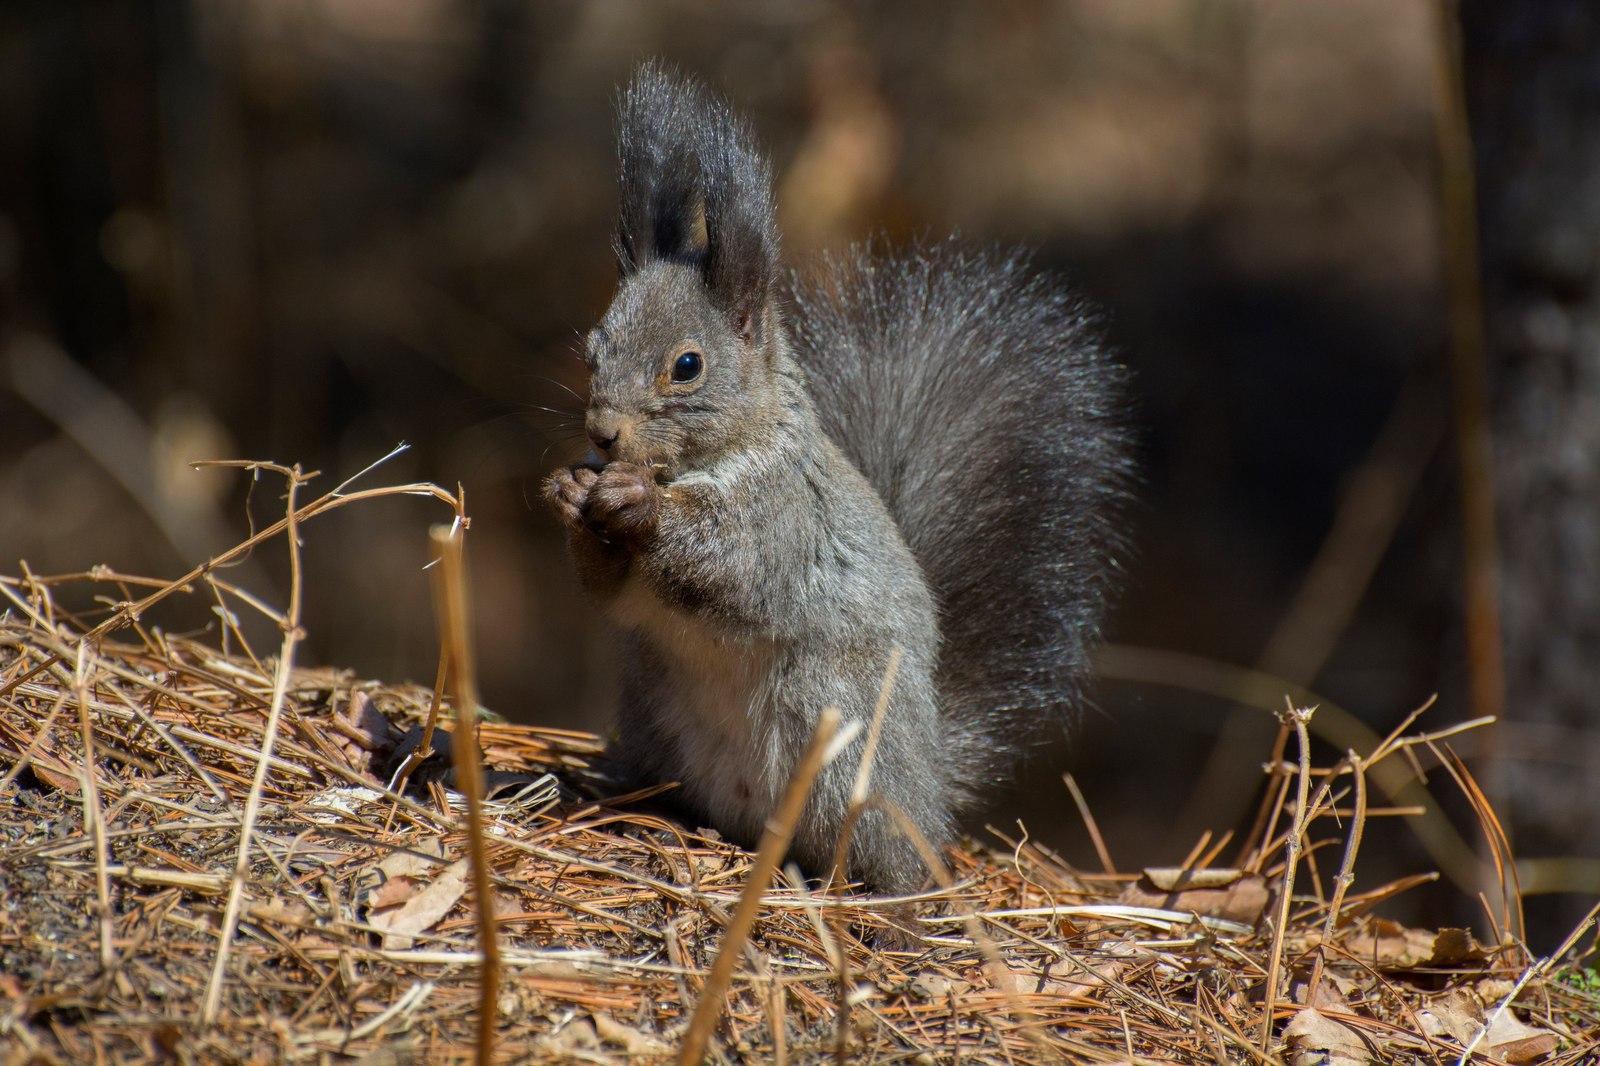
x=1297, y=718
x=1079, y=801
x=1458, y=196
x=1347, y=870
x=455, y=634
x=280, y=690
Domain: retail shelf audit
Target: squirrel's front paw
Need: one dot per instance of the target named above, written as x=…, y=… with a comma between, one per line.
x=567, y=489
x=622, y=504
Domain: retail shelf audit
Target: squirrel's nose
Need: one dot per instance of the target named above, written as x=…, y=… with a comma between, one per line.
x=603, y=429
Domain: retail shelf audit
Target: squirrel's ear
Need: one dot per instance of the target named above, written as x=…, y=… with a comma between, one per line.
x=741, y=261
x=695, y=189
x=659, y=120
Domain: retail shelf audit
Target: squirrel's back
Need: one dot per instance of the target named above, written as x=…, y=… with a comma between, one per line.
x=977, y=397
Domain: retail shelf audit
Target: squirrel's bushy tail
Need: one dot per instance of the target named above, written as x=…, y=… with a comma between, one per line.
x=948, y=374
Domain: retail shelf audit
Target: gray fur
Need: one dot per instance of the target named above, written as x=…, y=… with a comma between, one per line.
x=725, y=523
x=978, y=398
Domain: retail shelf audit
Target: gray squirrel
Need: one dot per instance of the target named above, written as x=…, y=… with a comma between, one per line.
x=790, y=478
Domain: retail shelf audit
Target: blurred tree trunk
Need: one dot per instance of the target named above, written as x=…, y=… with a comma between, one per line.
x=1533, y=83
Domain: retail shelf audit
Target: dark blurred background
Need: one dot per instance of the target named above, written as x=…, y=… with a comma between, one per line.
x=306, y=231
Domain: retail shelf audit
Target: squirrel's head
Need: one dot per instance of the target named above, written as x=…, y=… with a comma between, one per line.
x=684, y=366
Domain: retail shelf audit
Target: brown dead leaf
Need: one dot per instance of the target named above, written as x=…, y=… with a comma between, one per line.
x=398, y=875
x=1517, y=1042
x=424, y=909
x=1389, y=945
x=631, y=1040
x=361, y=731
x=392, y=893
x=1013, y=982
x=1236, y=897
x=1494, y=989
x=1330, y=995
x=1459, y=1016
x=1084, y=984
x=1456, y=1015
x=1456, y=947
x=1065, y=979
x=282, y=911
x=1314, y=1039
x=1528, y=1049
x=1179, y=879
x=56, y=779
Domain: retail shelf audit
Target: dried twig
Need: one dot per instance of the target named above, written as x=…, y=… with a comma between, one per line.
x=1298, y=718
x=280, y=693
x=1084, y=813
x=93, y=817
x=454, y=621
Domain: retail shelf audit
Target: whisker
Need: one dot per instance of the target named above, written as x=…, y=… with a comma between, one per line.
x=581, y=400
x=549, y=410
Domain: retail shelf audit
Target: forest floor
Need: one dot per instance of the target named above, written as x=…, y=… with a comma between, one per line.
x=206, y=857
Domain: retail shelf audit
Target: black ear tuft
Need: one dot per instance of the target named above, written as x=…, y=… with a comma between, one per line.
x=658, y=128
x=741, y=234
x=696, y=189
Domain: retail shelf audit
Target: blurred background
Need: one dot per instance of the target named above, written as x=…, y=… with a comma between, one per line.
x=308, y=230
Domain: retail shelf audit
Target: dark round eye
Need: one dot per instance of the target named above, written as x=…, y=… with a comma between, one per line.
x=687, y=367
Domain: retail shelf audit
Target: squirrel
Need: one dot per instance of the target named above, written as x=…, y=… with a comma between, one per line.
x=790, y=478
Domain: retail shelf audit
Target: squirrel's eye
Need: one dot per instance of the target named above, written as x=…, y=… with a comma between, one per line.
x=687, y=367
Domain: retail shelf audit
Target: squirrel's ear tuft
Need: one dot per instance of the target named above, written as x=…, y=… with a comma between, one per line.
x=696, y=189
x=658, y=129
x=741, y=234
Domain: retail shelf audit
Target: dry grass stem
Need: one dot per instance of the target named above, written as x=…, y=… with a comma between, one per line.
x=252, y=804
x=93, y=820
x=1347, y=869
x=1294, y=841
x=455, y=631
x=1102, y=852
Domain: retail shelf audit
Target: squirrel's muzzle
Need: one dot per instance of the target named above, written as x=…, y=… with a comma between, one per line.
x=604, y=427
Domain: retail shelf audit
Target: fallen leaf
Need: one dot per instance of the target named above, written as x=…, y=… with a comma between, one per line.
x=633, y=1041
x=1455, y=947
x=1237, y=897
x=1456, y=1015
x=1391, y=946
x=396, y=877
x=56, y=779
x=424, y=909
x=1314, y=1039
x=1330, y=995
x=361, y=732
x=1528, y=1049
x=1517, y=1042
x=1180, y=879
x=1494, y=989
x=1013, y=982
